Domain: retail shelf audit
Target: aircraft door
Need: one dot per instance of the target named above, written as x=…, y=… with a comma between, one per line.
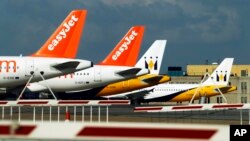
x=29, y=67
x=97, y=76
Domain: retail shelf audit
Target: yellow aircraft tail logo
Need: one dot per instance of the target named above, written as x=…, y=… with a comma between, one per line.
x=151, y=64
x=221, y=77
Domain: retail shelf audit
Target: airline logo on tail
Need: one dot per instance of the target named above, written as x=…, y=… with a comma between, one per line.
x=64, y=41
x=221, y=77
x=221, y=74
x=63, y=33
x=151, y=64
x=152, y=59
x=127, y=50
x=128, y=39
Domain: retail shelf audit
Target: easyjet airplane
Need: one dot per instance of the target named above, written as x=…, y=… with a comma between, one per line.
x=150, y=60
x=218, y=81
x=117, y=66
x=55, y=58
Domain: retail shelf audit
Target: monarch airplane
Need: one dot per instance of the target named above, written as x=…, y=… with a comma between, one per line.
x=151, y=60
x=54, y=58
x=184, y=92
x=117, y=66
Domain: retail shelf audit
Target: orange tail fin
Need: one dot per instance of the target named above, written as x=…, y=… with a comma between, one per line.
x=127, y=50
x=64, y=42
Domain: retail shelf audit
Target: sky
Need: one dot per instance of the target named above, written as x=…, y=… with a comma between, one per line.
x=196, y=30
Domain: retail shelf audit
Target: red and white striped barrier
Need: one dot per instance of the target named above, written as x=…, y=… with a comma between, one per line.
x=63, y=102
x=113, y=131
x=192, y=107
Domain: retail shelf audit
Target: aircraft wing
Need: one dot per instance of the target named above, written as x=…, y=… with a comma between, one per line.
x=132, y=95
x=129, y=72
x=226, y=89
x=154, y=79
x=139, y=94
x=66, y=65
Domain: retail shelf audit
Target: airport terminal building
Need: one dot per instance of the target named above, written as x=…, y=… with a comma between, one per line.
x=239, y=77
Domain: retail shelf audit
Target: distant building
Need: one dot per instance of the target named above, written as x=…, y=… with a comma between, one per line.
x=200, y=70
x=175, y=71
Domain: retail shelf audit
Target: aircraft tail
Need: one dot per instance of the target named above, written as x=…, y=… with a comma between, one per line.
x=153, y=57
x=221, y=74
x=127, y=50
x=64, y=42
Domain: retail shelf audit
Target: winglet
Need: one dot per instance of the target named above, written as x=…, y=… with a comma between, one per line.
x=64, y=42
x=153, y=57
x=221, y=74
x=127, y=50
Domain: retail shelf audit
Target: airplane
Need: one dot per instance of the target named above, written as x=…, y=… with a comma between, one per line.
x=117, y=66
x=151, y=60
x=216, y=83
x=56, y=57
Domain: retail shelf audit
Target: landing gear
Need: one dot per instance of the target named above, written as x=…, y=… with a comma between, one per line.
x=31, y=77
x=202, y=100
x=200, y=87
x=135, y=102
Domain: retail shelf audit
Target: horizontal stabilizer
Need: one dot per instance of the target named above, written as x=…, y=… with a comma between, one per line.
x=129, y=72
x=154, y=79
x=66, y=65
x=227, y=89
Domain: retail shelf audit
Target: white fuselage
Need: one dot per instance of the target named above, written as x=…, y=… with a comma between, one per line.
x=168, y=89
x=93, y=77
x=157, y=90
x=16, y=71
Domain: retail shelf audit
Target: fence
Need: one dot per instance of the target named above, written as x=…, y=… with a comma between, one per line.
x=18, y=110
x=196, y=107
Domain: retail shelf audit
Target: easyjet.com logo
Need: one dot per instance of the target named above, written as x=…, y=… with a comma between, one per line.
x=63, y=33
x=125, y=45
